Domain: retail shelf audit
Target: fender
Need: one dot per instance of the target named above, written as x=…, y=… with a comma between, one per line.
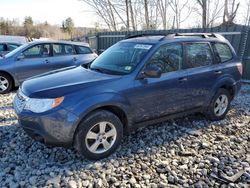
x=98, y=101
x=221, y=81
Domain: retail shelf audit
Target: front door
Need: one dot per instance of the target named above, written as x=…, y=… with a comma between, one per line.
x=33, y=61
x=157, y=97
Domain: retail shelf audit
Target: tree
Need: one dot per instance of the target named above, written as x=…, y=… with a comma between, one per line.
x=178, y=7
x=163, y=7
x=229, y=15
x=203, y=4
x=69, y=26
x=146, y=14
x=209, y=11
x=28, y=26
x=127, y=14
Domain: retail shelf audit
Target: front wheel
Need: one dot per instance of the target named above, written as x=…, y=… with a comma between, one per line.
x=219, y=105
x=99, y=135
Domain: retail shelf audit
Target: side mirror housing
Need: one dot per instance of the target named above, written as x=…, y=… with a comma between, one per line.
x=151, y=71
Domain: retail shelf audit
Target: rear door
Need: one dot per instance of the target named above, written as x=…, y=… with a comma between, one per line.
x=84, y=55
x=33, y=61
x=202, y=72
x=63, y=56
x=157, y=97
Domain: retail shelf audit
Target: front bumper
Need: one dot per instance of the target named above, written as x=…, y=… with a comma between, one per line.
x=55, y=127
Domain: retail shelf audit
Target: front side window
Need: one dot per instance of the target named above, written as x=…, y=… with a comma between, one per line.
x=121, y=58
x=168, y=58
x=223, y=51
x=40, y=50
x=198, y=55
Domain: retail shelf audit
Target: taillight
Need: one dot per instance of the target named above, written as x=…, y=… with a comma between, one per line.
x=240, y=68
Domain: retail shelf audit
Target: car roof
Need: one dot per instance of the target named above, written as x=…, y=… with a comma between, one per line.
x=186, y=37
x=59, y=42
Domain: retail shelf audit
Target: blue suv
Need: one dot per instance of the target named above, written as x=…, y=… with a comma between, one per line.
x=139, y=81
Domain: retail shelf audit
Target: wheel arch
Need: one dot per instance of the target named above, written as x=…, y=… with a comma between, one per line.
x=11, y=76
x=227, y=83
x=115, y=109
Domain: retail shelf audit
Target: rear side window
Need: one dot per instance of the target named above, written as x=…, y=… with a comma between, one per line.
x=58, y=49
x=12, y=46
x=223, y=51
x=198, y=55
x=63, y=49
x=168, y=58
x=2, y=47
x=83, y=50
x=69, y=49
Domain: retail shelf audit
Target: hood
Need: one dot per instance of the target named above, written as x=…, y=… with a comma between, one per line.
x=62, y=82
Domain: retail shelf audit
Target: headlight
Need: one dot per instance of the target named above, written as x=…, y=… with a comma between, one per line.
x=42, y=105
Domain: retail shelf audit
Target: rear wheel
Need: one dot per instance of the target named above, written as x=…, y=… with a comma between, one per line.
x=5, y=83
x=99, y=135
x=219, y=105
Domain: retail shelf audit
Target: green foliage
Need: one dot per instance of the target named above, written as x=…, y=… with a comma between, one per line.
x=68, y=25
x=28, y=26
x=28, y=21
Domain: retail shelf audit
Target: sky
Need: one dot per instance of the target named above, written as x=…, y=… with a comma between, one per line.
x=53, y=11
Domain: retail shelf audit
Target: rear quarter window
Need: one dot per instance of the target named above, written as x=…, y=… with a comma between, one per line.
x=223, y=52
x=83, y=50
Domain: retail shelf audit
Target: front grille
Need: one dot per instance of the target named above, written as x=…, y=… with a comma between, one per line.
x=20, y=101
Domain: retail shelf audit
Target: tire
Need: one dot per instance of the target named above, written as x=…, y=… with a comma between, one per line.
x=92, y=145
x=215, y=111
x=6, y=83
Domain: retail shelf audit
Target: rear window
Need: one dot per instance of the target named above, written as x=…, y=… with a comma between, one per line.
x=223, y=51
x=83, y=50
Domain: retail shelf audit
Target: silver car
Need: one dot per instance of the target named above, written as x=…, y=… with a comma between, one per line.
x=39, y=57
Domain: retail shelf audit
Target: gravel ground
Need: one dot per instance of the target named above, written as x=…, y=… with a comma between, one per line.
x=187, y=152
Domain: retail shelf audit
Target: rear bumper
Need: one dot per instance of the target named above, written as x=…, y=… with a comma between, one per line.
x=53, y=128
x=237, y=87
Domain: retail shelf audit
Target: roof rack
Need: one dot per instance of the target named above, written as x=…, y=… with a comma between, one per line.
x=202, y=35
x=144, y=35
x=173, y=35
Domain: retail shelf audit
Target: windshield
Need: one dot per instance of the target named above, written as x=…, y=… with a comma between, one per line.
x=121, y=58
x=16, y=50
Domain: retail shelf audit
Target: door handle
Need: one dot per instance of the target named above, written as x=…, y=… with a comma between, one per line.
x=218, y=72
x=74, y=59
x=183, y=79
x=46, y=61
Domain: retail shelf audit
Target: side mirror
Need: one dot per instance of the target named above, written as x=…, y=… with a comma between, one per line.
x=20, y=57
x=152, y=71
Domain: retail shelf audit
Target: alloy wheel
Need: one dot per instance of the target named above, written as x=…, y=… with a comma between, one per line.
x=221, y=105
x=101, y=137
x=4, y=84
